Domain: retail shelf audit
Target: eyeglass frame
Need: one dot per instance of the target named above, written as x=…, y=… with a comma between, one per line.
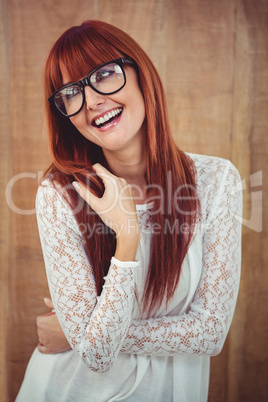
x=86, y=82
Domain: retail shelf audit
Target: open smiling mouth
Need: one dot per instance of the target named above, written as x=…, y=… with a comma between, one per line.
x=108, y=117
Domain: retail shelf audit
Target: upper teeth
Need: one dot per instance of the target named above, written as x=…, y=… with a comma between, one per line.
x=108, y=116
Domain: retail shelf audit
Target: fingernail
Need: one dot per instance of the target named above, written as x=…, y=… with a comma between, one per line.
x=46, y=300
x=76, y=185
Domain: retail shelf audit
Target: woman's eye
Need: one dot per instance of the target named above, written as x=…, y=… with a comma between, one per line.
x=101, y=75
x=71, y=92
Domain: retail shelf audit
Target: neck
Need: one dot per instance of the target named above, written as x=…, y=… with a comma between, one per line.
x=130, y=165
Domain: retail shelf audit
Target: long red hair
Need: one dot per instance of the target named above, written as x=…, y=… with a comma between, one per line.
x=81, y=49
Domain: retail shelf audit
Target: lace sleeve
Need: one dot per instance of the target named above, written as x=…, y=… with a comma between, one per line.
x=94, y=326
x=203, y=329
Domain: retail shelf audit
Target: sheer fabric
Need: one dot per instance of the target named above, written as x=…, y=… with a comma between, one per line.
x=129, y=356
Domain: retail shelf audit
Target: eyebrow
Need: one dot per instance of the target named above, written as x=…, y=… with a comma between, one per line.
x=68, y=83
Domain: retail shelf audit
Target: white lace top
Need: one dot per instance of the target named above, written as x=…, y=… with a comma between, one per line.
x=117, y=353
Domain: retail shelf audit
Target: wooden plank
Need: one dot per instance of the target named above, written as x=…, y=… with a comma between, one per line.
x=200, y=73
x=248, y=355
x=4, y=211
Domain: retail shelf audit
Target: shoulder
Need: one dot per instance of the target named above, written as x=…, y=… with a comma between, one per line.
x=214, y=171
x=49, y=187
x=218, y=184
x=51, y=197
x=53, y=209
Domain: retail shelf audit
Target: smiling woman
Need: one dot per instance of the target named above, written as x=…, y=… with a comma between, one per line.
x=143, y=286
x=119, y=115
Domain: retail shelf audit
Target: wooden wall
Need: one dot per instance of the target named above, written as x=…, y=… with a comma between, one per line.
x=212, y=56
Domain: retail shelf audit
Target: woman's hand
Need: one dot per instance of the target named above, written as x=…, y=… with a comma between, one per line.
x=117, y=210
x=51, y=338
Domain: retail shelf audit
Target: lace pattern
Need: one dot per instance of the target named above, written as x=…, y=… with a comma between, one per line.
x=98, y=328
x=203, y=329
x=95, y=326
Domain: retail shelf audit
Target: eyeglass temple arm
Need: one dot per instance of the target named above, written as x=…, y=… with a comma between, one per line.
x=125, y=60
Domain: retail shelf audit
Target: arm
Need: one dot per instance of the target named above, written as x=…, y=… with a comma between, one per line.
x=94, y=327
x=203, y=329
x=51, y=338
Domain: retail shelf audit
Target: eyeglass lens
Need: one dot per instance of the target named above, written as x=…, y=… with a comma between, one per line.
x=106, y=79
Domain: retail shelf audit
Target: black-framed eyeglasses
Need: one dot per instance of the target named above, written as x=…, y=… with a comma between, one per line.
x=106, y=80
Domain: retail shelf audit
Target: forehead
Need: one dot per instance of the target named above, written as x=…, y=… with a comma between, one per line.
x=68, y=77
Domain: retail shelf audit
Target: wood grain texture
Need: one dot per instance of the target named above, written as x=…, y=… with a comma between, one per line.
x=248, y=354
x=212, y=56
x=4, y=210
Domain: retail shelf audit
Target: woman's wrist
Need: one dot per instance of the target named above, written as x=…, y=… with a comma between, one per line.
x=127, y=245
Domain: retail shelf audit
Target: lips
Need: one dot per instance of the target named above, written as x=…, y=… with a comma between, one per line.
x=107, y=118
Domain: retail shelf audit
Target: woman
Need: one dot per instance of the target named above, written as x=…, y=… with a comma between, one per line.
x=141, y=241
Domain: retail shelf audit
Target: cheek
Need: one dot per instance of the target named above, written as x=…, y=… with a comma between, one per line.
x=137, y=101
x=140, y=109
x=78, y=121
x=74, y=121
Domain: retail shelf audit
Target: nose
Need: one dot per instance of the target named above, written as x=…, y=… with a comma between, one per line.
x=93, y=99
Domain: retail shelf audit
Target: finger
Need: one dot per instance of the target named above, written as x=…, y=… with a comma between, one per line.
x=40, y=322
x=101, y=170
x=86, y=194
x=104, y=174
x=48, y=302
x=38, y=319
x=42, y=348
